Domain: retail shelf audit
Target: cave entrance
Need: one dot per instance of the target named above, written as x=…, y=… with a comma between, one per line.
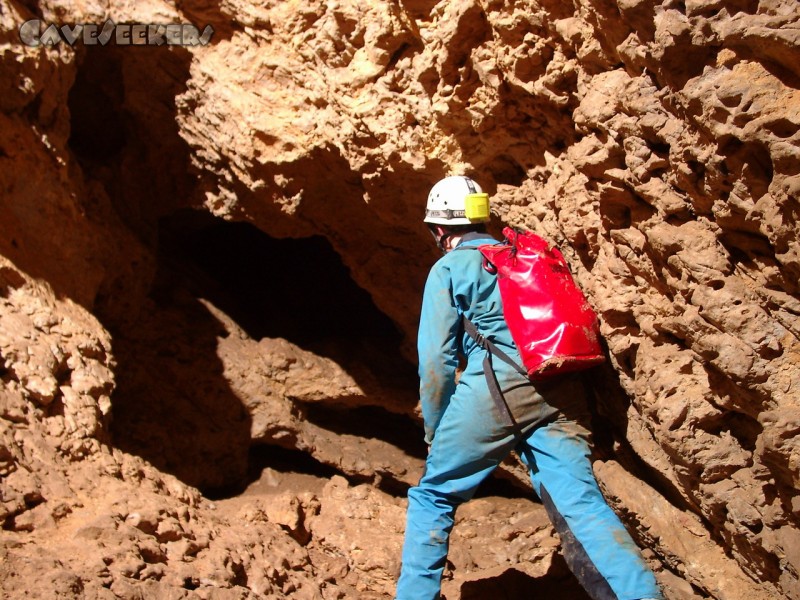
x=173, y=404
x=295, y=289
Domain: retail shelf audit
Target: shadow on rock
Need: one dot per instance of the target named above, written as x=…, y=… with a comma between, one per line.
x=558, y=582
x=173, y=405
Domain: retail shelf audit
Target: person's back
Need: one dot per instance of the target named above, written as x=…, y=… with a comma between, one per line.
x=459, y=286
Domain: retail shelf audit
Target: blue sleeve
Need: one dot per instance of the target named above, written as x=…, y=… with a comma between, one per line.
x=437, y=345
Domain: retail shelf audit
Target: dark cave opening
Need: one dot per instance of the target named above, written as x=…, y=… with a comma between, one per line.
x=295, y=289
x=121, y=102
x=97, y=120
x=173, y=404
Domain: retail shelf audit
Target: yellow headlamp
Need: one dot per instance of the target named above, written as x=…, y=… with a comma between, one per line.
x=476, y=207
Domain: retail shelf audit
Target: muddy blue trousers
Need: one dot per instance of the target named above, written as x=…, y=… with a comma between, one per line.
x=595, y=544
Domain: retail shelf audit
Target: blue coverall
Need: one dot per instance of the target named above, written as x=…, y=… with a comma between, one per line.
x=469, y=437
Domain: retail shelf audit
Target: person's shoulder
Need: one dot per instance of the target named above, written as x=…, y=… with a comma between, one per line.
x=454, y=262
x=442, y=264
x=456, y=256
x=464, y=253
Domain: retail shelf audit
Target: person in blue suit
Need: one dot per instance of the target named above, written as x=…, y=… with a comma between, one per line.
x=469, y=435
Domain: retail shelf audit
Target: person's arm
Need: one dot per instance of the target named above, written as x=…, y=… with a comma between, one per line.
x=437, y=344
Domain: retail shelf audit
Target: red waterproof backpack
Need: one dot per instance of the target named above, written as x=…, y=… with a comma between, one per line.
x=551, y=322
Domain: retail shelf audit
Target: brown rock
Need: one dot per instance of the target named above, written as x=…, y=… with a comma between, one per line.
x=656, y=143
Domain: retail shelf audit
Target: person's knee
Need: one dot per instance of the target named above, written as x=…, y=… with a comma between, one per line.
x=432, y=499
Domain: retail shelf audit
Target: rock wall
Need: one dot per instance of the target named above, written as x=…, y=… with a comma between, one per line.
x=656, y=142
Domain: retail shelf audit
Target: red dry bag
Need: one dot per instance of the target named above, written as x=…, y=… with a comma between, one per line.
x=551, y=322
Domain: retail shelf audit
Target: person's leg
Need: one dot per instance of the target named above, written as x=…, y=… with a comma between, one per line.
x=467, y=447
x=429, y=522
x=597, y=547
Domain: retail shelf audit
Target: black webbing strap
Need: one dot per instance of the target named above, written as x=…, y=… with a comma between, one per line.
x=491, y=377
x=489, y=346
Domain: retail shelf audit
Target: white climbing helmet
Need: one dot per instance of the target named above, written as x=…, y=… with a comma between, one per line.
x=457, y=200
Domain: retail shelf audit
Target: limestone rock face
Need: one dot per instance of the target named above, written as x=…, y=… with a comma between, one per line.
x=144, y=372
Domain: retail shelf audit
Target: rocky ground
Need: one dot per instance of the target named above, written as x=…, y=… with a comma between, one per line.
x=211, y=261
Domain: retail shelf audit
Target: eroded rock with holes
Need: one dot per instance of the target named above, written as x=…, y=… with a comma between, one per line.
x=656, y=142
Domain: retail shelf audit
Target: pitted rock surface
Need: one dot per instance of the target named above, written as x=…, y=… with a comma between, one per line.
x=154, y=443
